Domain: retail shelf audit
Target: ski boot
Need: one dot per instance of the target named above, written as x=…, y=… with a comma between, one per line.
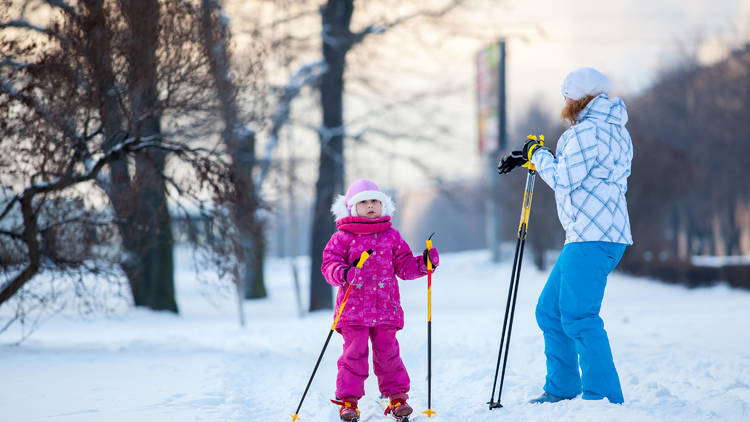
x=348, y=411
x=399, y=409
x=548, y=398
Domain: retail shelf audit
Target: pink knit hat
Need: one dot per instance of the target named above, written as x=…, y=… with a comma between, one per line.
x=361, y=190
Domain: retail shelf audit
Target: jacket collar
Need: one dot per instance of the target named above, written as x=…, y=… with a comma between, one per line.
x=611, y=110
x=361, y=225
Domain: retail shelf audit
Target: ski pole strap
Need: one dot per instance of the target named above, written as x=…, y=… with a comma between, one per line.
x=365, y=255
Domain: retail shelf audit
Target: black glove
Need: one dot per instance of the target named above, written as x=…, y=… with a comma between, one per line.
x=511, y=161
x=532, y=146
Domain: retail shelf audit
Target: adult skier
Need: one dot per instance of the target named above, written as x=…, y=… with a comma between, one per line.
x=588, y=173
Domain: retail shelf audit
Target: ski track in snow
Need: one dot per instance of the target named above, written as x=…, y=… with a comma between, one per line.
x=682, y=355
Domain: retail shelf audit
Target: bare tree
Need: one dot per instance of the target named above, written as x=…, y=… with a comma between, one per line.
x=337, y=40
x=345, y=32
x=111, y=105
x=688, y=198
x=240, y=143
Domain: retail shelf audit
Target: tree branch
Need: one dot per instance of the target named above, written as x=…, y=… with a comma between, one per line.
x=292, y=18
x=358, y=37
x=306, y=75
x=13, y=63
x=12, y=235
x=60, y=4
x=43, y=111
x=26, y=25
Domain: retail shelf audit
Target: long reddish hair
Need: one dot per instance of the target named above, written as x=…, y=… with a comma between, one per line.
x=571, y=110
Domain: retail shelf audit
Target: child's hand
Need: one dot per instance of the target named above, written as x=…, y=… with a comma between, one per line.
x=350, y=274
x=434, y=257
x=352, y=271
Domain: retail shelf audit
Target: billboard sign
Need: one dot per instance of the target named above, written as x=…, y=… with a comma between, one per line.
x=490, y=93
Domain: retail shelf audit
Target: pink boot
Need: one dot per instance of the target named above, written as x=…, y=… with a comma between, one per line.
x=348, y=409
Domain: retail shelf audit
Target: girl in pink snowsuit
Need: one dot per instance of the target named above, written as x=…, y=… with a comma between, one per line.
x=373, y=310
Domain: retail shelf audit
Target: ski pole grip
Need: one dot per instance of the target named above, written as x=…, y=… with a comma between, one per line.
x=428, y=242
x=540, y=139
x=362, y=258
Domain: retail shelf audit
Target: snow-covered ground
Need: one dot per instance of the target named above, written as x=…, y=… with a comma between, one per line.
x=682, y=355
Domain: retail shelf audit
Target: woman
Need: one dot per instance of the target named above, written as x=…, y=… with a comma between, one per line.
x=589, y=176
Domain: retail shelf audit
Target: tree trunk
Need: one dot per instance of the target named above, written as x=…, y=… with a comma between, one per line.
x=240, y=143
x=539, y=260
x=253, y=276
x=336, y=16
x=144, y=227
x=151, y=269
x=150, y=242
x=30, y=233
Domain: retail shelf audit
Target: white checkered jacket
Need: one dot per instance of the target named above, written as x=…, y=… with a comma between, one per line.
x=590, y=174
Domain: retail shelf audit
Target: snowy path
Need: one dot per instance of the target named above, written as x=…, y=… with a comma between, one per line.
x=683, y=355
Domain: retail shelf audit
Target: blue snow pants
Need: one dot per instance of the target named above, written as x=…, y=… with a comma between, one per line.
x=568, y=314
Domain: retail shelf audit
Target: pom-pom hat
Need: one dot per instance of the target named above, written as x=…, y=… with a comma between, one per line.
x=585, y=81
x=361, y=190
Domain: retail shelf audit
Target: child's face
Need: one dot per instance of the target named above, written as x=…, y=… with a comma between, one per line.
x=371, y=208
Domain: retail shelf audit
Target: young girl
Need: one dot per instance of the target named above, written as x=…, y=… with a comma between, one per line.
x=589, y=176
x=373, y=310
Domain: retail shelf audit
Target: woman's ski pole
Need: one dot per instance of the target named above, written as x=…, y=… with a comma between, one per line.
x=510, y=304
x=362, y=259
x=429, y=412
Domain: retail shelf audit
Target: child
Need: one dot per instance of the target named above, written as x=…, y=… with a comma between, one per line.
x=589, y=176
x=373, y=310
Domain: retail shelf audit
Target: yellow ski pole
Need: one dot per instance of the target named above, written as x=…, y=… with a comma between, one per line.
x=510, y=305
x=429, y=412
x=362, y=259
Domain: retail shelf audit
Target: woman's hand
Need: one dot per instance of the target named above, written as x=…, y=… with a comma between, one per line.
x=510, y=161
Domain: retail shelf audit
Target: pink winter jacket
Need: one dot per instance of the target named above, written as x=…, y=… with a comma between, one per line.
x=374, y=299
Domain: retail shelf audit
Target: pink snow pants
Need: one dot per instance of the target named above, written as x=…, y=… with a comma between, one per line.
x=393, y=380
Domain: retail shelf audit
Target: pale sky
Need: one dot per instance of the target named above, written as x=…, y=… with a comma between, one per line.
x=630, y=41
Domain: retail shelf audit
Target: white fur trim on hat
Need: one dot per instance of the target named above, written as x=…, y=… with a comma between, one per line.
x=339, y=208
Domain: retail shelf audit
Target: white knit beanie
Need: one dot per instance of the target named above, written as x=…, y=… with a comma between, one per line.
x=585, y=81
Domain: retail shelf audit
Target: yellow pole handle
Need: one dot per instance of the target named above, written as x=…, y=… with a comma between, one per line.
x=429, y=246
x=528, y=164
x=529, y=191
x=363, y=258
